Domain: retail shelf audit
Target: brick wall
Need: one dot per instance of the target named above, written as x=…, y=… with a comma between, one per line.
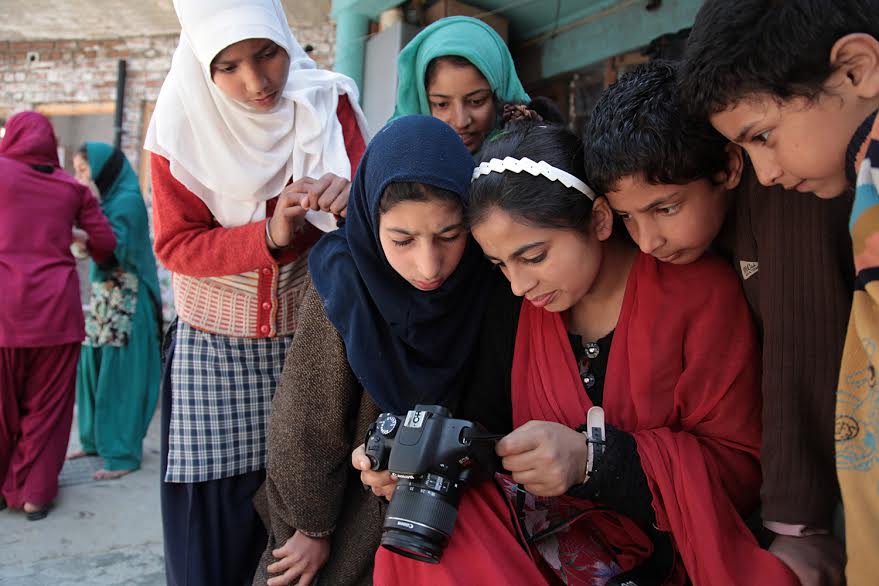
x=84, y=72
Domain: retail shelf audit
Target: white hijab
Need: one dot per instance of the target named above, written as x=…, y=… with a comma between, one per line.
x=234, y=158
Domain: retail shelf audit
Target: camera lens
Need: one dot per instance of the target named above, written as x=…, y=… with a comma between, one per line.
x=421, y=517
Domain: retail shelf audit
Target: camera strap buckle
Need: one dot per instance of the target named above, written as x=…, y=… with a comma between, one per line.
x=595, y=439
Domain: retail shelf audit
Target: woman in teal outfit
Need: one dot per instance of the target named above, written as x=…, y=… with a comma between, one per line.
x=459, y=70
x=119, y=367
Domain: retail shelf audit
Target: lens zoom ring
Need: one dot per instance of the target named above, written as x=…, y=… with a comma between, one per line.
x=422, y=508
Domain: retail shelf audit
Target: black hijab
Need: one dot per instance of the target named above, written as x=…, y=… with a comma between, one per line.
x=405, y=346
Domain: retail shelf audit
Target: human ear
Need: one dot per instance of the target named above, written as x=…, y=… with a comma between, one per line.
x=735, y=162
x=602, y=218
x=856, y=56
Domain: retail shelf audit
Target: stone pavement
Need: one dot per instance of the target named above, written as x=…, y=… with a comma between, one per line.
x=98, y=533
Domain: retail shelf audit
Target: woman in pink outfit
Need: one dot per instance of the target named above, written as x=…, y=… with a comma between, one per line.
x=41, y=320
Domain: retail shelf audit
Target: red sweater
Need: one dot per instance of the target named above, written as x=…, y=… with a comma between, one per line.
x=226, y=280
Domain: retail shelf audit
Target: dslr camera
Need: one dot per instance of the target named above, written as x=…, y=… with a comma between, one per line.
x=433, y=457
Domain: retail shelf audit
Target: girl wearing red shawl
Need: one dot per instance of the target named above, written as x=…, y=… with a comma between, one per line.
x=41, y=321
x=669, y=352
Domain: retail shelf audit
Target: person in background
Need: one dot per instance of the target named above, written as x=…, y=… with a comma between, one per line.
x=459, y=70
x=119, y=366
x=41, y=322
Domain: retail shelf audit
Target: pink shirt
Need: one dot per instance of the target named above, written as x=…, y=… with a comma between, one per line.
x=39, y=285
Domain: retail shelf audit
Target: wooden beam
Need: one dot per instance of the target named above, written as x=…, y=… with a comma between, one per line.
x=76, y=108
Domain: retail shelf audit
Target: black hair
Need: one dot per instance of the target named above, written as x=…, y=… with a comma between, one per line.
x=778, y=47
x=547, y=109
x=639, y=127
x=455, y=60
x=536, y=201
x=400, y=191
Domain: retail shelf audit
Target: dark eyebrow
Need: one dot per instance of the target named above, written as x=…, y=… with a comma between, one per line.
x=451, y=227
x=262, y=49
x=655, y=203
x=745, y=133
x=448, y=228
x=519, y=251
x=470, y=95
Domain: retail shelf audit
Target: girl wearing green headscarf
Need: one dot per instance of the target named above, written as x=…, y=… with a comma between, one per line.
x=459, y=70
x=119, y=372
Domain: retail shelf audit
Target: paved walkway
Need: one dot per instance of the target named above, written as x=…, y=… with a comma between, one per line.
x=98, y=533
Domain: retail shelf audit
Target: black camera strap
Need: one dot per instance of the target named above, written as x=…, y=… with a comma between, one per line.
x=477, y=435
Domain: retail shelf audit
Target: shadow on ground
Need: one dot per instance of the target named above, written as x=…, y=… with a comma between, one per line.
x=98, y=533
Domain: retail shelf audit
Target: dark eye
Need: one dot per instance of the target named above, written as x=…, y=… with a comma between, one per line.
x=402, y=242
x=763, y=137
x=668, y=210
x=269, y=53
x=439, y=105
x=535, y=259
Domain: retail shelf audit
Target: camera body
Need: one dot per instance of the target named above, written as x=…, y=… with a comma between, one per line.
x=433, y=456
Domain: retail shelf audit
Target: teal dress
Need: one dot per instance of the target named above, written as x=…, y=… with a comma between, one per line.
x=117, y=382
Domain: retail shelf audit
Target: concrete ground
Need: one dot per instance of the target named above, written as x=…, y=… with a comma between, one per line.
x=98, y=533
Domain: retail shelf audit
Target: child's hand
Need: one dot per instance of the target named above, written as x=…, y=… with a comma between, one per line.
x=381, y=483
x=817, y=560
x=288, y=218
x=327, y=194
x=79, y=236
x=79, y=239
x=299, y=559
x=547, y=458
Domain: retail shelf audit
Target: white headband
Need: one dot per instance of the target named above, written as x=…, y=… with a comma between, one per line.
x=529, y=166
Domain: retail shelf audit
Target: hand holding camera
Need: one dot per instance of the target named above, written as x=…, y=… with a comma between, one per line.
x=381, y=483
x=433, y=456
x=547, y=458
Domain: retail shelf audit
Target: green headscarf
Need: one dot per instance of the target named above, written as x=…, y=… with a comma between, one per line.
x=122, y=203
x=465, y=37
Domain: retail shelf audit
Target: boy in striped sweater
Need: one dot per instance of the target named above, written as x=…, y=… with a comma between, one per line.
x=796, y=84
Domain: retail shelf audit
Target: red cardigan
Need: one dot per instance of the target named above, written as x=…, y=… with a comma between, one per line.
x=191, y=243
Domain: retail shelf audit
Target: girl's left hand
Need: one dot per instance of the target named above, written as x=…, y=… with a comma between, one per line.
x=547, y=458
x=299, y=560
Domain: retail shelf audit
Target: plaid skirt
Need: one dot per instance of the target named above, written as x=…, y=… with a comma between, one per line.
x=221, y=394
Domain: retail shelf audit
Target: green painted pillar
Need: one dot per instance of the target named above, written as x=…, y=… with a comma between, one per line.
x=352, y=29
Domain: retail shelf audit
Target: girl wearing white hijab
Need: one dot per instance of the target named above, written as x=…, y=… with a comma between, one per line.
x=248, y=140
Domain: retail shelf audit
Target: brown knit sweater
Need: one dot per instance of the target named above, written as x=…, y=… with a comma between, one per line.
x=319, y=415
x=793, y=254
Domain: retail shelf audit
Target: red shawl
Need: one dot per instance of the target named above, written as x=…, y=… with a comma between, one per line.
x=683, y=378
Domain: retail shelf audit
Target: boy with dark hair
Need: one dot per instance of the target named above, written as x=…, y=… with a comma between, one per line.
x=796, y=84
x=679, y=187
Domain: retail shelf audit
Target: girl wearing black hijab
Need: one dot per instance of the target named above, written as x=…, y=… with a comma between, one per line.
x=390, y=320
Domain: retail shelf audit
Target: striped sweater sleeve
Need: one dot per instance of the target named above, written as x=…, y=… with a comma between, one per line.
x=857, y=406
